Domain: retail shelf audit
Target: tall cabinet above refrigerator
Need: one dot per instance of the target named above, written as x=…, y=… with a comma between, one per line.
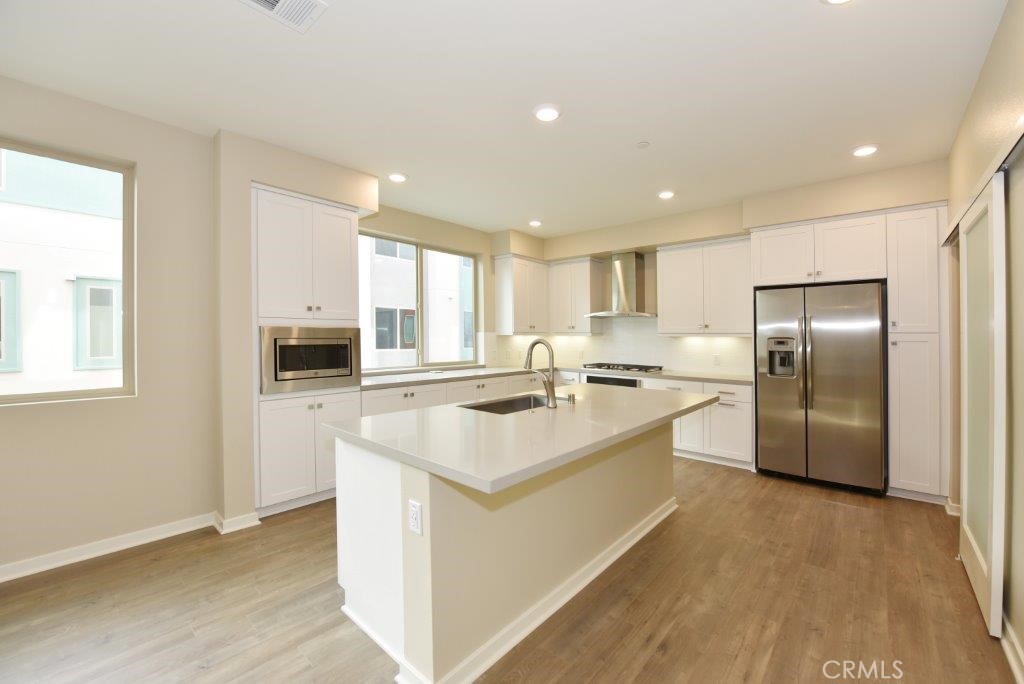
x=820, y=390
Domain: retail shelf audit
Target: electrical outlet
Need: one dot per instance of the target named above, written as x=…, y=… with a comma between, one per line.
x=716, y=359
x=415, y=517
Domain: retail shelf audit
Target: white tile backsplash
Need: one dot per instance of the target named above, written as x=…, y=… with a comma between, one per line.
x=633, y=340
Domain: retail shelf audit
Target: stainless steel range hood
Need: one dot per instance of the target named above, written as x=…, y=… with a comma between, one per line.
x=627, y=296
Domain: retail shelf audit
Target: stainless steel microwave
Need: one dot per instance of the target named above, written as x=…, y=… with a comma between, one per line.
x=298, y=359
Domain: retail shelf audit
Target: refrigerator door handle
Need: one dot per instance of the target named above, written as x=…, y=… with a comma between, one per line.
x=799, y=365
x=809, y=324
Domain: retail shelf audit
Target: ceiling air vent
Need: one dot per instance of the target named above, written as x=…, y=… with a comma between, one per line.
x=298, y=14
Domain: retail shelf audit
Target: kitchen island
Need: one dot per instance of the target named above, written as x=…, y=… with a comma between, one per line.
x=461, y=530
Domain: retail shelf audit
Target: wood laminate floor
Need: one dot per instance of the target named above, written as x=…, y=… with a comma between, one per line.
x=753, y=579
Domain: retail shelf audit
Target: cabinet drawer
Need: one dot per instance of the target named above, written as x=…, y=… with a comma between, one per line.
x=677, y=385
x=523, y=383
x=729, y=392
x=566, y=377
x=727, y=430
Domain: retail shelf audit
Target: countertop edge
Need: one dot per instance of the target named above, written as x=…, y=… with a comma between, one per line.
x=530, y=472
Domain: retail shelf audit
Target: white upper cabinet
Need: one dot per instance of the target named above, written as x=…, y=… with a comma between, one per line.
x=705, y=289
x=307, y=259
x=521, y=296
x=782, y=256
x=574, y=290
x=913, y=265
x=335, y=263
x=680, y=290
x=284, y=243
x=915, y=380
x=728, y=291
x=849, y=249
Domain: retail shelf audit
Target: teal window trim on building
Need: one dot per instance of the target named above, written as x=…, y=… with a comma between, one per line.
x=98, y=324
x=10, y=322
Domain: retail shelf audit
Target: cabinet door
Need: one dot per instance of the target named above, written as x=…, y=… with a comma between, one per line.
x=331, y=407
x=914, y=391
x=380, y=401
x=566, y=377
x=851, y=249
x=287, y=450
x=560, y=298
x=521, y=271
x=680, y=291
x=688, y=431
x=728, y=292
x=913, y=271
x=583, y=275
x=523, y=383
x=727, y=430
x=284, y=256
x=492, y=388
x=782, y=256
x=422, y=396
x=538, y=294
x=462, y=391
x=336, y=264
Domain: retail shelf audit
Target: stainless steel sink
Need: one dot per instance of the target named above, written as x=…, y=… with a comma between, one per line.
x=512, y=404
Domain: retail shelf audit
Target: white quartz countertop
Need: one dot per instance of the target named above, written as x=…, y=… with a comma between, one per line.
x=491, y=452
x=372, y=382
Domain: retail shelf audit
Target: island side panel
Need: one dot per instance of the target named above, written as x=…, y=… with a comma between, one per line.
x=369, y=504
x=501, y=563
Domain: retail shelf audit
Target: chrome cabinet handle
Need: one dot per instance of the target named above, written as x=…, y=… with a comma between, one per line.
x=412, y=394
x=817, y=273
x=405, y=396
x=893, y=324
x=894, y=343
x=318, y=307
x=676, y=389
x=810, y=274
x=725, y=404
x=320, y=405
x=309, y=307
x=725, y=392
x=310, y=407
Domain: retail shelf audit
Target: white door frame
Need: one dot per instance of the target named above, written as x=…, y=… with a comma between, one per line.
x=986, y=574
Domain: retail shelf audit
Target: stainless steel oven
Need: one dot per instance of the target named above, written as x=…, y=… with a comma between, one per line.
x=297, y=359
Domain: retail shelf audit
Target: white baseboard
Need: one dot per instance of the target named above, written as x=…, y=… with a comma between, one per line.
x=706, y=458
x=937, y=499
x=56, y=559
x=295, y=503
x=239, y=522
x=503, y=642
x=1013, y=651
x=952, y=508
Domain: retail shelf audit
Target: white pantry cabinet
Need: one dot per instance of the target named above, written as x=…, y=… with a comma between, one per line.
x=828, y=251
x=521, y=296
x=913, y=267
x=914, y=413
x=296, y=452
x=403, y=398
x=705, y=289
x=575, y=289
x=306, y=259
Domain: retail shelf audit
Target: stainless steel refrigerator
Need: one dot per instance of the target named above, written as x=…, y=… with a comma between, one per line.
x=820, y=394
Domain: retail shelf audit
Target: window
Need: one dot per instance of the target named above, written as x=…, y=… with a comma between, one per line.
x=420, y=303
x=387, y=325
x=97, y=324
x=10, y=336
x=65, y=277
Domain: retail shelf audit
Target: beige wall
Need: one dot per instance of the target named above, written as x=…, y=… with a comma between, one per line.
x=1015, y=536
x=992, y=122
x=899, y=187
x=76, y=472
x=241, y=161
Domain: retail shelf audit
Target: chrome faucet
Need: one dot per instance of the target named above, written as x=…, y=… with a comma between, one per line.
x=549, y=377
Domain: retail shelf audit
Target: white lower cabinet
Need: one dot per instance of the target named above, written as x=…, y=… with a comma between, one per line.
x=478, y=389
x=915, y=375
x=403, y=398
x=524, y=383
x=723, y=430
x=566, y=377
x=296, y=453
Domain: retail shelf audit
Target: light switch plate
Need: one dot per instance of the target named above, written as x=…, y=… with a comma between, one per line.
x=415, y=517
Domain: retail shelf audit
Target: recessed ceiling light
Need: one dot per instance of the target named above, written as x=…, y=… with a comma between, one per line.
x=666, y=194
x=546, y=113
x=865, y=150
x=643, y=144
x=535, y=223
x=397, y=177
x=835, y=2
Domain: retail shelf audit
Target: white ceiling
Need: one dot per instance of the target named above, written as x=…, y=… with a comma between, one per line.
x=736, y=96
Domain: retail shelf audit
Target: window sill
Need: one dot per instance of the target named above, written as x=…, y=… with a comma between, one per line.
x=420, y=369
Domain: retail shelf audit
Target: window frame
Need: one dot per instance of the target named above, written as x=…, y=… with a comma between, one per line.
x=10, y=321
x=129, y=369
x=82, y=326
x=420, y=318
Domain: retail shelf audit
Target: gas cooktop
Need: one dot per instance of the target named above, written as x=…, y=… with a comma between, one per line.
x=640, y=368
